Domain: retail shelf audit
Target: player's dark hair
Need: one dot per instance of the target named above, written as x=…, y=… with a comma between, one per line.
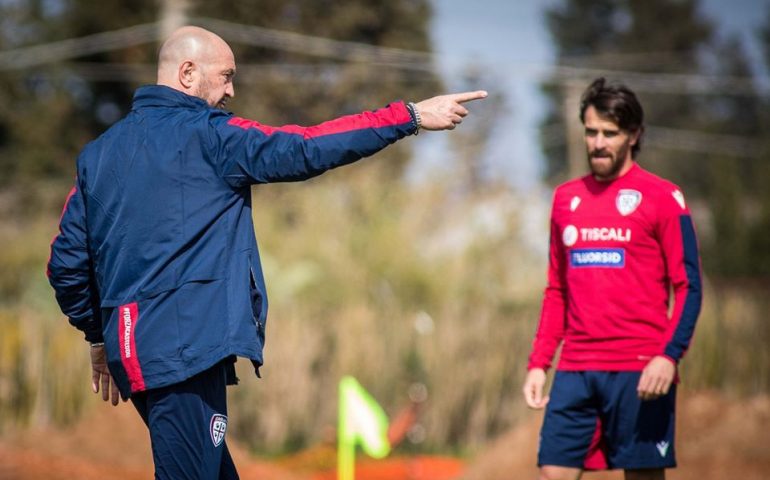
x=617, y=103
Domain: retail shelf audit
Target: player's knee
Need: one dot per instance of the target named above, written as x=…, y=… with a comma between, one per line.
x=549, y=472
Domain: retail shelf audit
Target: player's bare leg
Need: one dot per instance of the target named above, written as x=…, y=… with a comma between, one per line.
x=551, y=472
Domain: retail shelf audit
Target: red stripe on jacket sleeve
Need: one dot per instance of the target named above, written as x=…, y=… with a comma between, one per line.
x=53, y=240
x=394, y=114
x=67, y=201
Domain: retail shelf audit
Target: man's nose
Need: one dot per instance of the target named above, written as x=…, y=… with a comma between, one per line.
x=230, y=91
x=600, y=141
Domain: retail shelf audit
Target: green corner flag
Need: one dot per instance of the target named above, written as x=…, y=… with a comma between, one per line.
x=361, y=420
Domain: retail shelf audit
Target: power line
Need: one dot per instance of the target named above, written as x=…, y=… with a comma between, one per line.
x=319, y=46
x=378, y=56
x=54, y=52
x=665, y=138
x=248, y=73
x=361, y=52
x=27, y=57
x=705, y=143
x=674, y=83
x=373, y=55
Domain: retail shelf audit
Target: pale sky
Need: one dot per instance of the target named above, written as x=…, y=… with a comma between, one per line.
x=510, y=40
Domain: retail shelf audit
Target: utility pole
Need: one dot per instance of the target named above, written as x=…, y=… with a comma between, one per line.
x=173, y=14
x=576, y=155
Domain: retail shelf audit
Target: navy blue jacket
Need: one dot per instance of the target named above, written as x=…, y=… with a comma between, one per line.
x=156, y=254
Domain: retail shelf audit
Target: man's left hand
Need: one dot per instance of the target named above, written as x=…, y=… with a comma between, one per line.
x=656, y=378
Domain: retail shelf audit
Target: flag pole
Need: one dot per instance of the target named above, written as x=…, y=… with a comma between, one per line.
x=346, y=447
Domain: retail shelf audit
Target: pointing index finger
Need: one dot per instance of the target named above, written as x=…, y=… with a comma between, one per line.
x=468, y=96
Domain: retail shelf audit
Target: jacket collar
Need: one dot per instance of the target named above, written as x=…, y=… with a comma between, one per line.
x=163, y=96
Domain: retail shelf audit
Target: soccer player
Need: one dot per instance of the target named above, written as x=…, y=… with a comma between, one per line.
x=156, y=260
x=622, y=248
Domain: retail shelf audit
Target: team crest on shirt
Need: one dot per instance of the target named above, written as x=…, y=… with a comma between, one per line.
x=217, y=428
x=679, y=197
x=627, y=201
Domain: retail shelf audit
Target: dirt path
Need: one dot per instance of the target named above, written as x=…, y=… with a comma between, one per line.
x=717, y=439
x=113, y=443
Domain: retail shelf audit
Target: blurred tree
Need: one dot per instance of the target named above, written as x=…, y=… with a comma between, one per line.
x=49, y=111
x=760, y=231
x=597, y=37
x=326, y=85
x=732, y=185
x=281, y=87
x=704, y=139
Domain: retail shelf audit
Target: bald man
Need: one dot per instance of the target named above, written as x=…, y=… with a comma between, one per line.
x=192, y=59
x=156, y=260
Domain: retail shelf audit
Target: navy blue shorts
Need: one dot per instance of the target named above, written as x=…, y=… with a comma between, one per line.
x=187, y=423
x=590, y=409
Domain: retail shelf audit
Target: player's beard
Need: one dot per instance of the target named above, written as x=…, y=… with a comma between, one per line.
x=609, y=167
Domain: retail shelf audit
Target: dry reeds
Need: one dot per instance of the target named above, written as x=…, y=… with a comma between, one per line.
x=405, y=289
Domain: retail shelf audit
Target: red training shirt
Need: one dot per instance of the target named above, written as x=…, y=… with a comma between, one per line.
x=617, y=249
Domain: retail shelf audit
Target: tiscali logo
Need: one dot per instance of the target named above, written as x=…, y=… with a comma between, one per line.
x=605, y=234
x=570, y=235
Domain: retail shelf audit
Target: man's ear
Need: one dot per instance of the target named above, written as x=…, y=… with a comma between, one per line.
x=188, y=73
x=635, y=136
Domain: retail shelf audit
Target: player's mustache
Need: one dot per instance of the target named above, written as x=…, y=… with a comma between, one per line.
x=600, y=153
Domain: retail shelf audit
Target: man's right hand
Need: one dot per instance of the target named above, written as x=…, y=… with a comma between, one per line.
x=100, y=376
x=533, y=388
x=445, y=112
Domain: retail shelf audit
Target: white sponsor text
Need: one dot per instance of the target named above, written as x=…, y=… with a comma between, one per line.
x=605, y=234
x=127, y=321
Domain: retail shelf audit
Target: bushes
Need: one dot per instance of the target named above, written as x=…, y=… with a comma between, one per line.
x=395, y=286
